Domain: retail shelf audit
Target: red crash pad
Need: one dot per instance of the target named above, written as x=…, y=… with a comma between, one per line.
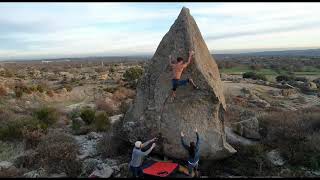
x=161, y=169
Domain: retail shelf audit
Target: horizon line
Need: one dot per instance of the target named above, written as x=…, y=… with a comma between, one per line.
x=222, y=51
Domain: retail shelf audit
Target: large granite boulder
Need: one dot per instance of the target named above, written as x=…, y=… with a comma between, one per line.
x=154, y=114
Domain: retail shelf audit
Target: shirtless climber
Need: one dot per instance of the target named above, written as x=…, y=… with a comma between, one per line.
x=177, y=69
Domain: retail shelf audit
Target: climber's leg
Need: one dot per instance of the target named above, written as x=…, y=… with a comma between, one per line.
x=173, y=95
x=194, y=85
x=174, y=88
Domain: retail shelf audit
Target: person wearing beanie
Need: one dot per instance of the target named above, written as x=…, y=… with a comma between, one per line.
x=138, y=156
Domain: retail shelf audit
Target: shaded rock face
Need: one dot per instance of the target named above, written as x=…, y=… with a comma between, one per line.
x=153, y=113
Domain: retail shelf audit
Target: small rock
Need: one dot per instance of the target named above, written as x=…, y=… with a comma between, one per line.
x=110, y=162
x=310, y=86
x=94, y=135
x=259, y=102
x=275, y=158
x=88, y=144
x=247, y=92
x=79, y=121
x=18, y=109
x=89, y=165
x=5, y=165
x=116, y=170
x=274, y=93
x=317, y=81
x=285, y=172
x=309, y=173
x=234, y=138
x=115, y=118
x=104, y=172
x=36, y=173
x=317, y=173
x=247, y=128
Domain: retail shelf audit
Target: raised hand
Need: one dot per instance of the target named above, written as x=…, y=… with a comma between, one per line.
x=196, y=130
x=191, y=53
x=182, y=134
x=153, y=145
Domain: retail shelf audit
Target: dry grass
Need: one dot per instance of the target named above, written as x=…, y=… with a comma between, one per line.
x=122, y=94
x=101, y=121
x=125, y=105
x=9, y=149
x=228, y=95
x=236, y=113
x=107, y=106
x=290, y=131
x=12, y=172
x=3, y=91
x=116, y=104
x=50, y=93
x=32, y=136
x=57, y=153
x=47, y=115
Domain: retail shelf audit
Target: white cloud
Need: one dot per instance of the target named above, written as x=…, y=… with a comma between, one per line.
x=75, y=28
x=303, y=38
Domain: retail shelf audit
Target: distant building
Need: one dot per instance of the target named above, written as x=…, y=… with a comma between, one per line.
x=46, y=62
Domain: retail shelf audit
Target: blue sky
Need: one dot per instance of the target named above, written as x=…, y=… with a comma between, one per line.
x=50, y=30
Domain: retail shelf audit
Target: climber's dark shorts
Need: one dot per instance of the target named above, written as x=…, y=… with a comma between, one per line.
x=177, y=82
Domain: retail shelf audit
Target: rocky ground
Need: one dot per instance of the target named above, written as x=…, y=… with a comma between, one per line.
x=85, y=91
x=247, y=102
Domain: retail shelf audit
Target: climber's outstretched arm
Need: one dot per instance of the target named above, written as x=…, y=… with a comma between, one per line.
x=170, y=61
x=148, y=142
x=183, y=143
x=191, y=53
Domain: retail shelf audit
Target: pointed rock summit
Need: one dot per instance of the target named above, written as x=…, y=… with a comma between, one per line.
x=154, y=114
